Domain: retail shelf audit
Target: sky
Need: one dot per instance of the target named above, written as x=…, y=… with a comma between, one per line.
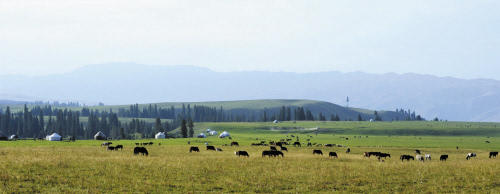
x=444, y=38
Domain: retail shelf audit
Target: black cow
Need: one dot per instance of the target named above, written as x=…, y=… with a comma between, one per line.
x=273, y=148
x=142, y=150
x=241, y=153
x=234, y=143
x=119, y=147
x=110, y=148
x=284, y=149
x=211, y=148
x=373, y=153
x=417, y=151
x=297, y=144
x=277, y=153
x=272, y=153
x=136, y=144
x=443, y=157
x=348, y=150
x=317, y=152
x=328, y=145
x=384, y=155
x=494, y=154
x=334, y=154
x=309, y=144
x=406, y=157
x=193, y=148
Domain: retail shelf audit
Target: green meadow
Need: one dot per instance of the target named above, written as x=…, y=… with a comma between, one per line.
x=85, y=166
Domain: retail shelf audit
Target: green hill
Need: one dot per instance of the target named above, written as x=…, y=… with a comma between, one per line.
x=253, y=107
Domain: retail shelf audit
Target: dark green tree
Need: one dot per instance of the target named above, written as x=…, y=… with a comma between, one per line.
x=191, y=126
x=359, y=117
x=184, y=130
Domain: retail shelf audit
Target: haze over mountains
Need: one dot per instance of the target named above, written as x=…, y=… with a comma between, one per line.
x=130, y=83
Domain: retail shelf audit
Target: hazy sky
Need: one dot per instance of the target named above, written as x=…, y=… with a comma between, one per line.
x=445, y=38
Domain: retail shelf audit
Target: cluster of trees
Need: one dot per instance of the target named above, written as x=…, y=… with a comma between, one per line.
x=31, y=123
x=409, y=116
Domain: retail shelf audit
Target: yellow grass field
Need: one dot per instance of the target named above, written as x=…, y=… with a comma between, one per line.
x=171, y=168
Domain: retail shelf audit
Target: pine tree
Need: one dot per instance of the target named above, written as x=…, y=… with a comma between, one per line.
x=191, y=126
x=184, y=131
x=158, y=125
x=359, y=117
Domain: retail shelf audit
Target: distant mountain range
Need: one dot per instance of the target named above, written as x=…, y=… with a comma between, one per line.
x=129, y=83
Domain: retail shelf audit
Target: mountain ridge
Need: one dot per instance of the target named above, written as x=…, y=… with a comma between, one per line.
x=129, y=83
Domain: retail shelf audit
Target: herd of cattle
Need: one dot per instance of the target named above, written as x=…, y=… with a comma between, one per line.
x=276, y=153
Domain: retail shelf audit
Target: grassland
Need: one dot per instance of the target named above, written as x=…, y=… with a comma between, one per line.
x=84, y=166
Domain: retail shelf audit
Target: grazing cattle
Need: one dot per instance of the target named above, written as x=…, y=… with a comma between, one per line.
x=420, y=158
x=366, y=154
x=487, y=141
x=142, y=150
x=470, y=155
x=346, y=138
x=193, y=148
x=427, y=156
x=150, y=143
x=334, y=154
x=273, y=153
x=288, y=139
x=284, y=149
x=373, y=153
x=309, y=144
x=443, y=157
x=241, y=153
x=317, y=152
x=119, y=147
x=348, y=151
x=329, y=145
x=417, y=151
x=211, y=148
x=297, y=144
x=234, y=143
x=106, y=143
x=384, y=155
x=494, y=154
x=273, y=148
x=219, y=150
x=406, y=157
x=136, y=144
x=110, y=148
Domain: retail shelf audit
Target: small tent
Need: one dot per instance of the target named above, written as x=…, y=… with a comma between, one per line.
x=160, y=135
x=224, y=134
x=54, y=137
x=3, y=136
x=209, y=130
x=100, y=136
x=201, y=135
x=275, y=121
x=213, y=133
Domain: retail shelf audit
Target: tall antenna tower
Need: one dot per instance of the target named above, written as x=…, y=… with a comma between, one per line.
x=347, y=101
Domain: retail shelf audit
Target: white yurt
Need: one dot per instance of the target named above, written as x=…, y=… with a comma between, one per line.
x=275, y=121
x=209, y=130
x=54, y=137
x=213, y=133
x=13, y=137
x=224, y=134
x=160, y=135
x=201, y=135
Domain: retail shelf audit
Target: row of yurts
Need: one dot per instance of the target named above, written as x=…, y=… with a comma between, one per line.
x=160, y=135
